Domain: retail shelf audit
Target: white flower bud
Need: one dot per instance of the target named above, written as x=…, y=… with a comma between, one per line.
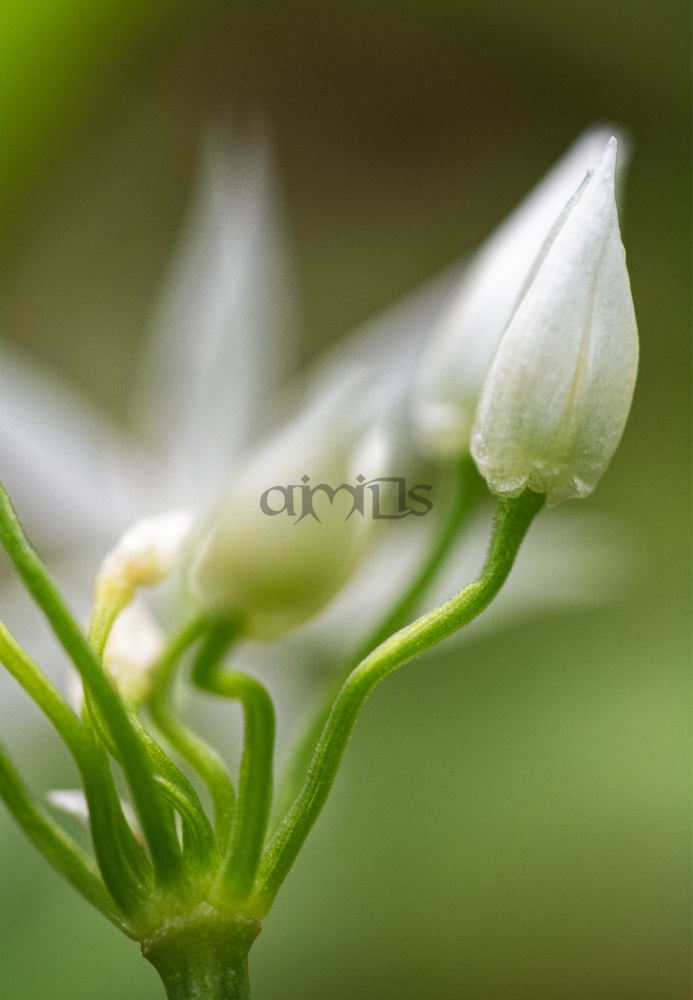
x=275, y=568
x=557, y=396
x=447, y=388
x=145, y=555
x=147, y=551
x=133, y=647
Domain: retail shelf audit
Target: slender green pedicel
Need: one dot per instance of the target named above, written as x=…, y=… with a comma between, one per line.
x=59, y=849
x=124, y=867
x=470, y=489
x=512, y=522
x=203, y=758
x=255, y=781
x=163, y=845
x=197, y=932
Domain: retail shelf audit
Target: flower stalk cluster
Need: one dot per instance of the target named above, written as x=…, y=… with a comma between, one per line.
x=192, y=885
x=217, y=883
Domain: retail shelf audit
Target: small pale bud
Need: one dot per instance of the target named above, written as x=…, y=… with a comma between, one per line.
x=277, y=549
x=557, y=396
x=147, y=551
x=452, y=372
x=133, y=647
x=145, y=555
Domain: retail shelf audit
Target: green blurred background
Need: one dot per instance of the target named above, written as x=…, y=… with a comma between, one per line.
x=512, y=818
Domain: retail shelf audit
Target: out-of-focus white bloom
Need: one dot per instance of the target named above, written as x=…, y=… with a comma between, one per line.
x=218, y=347
x=557, y=396
x=222, y=335
x=272, y=563
x=452, y=369
x=219, y=344
x=134, y=645
x=147, y=552
x=206, y=384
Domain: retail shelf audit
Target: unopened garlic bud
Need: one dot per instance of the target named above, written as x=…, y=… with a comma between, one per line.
x=557, y=396
x=447, y=388
x=132, y=650
x=144, y=556
x=147, y=552
x=289, y=532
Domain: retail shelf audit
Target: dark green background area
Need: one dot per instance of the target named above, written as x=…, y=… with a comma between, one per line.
x=511, y=822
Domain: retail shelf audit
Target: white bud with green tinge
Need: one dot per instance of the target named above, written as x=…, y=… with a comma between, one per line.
x=557, y=396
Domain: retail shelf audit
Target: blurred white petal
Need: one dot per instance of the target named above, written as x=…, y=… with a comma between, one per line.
x=60, y=458
x=391, y=343
x=134, y=645
x=71, y=801
x=388, y=349
x=221, y=337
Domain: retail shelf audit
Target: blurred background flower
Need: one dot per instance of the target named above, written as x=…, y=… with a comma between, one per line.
x=509, y=822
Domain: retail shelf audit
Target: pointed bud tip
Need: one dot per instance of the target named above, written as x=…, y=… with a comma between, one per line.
x=558, y=392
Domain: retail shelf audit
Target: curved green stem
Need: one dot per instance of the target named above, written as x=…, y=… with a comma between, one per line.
x=198, y=754
x=153, y=811
x=106, y=609
x=59, y=849
x=198, y=838
x=470, y=487
x=512, y=522
x=124, y=866
x=177, y=790
x=39, y=688
x=255, y=778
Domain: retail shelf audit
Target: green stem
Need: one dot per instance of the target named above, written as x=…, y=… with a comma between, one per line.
x=180, y=794
x=124, y=867
x=512, y=522
x=153, y=811
x=198, y=839
x=58, y=849
x=110, y=602
x=204, y=955
x=198, y=754
x=255, y=779
x=39, y=688
x=470, y=487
